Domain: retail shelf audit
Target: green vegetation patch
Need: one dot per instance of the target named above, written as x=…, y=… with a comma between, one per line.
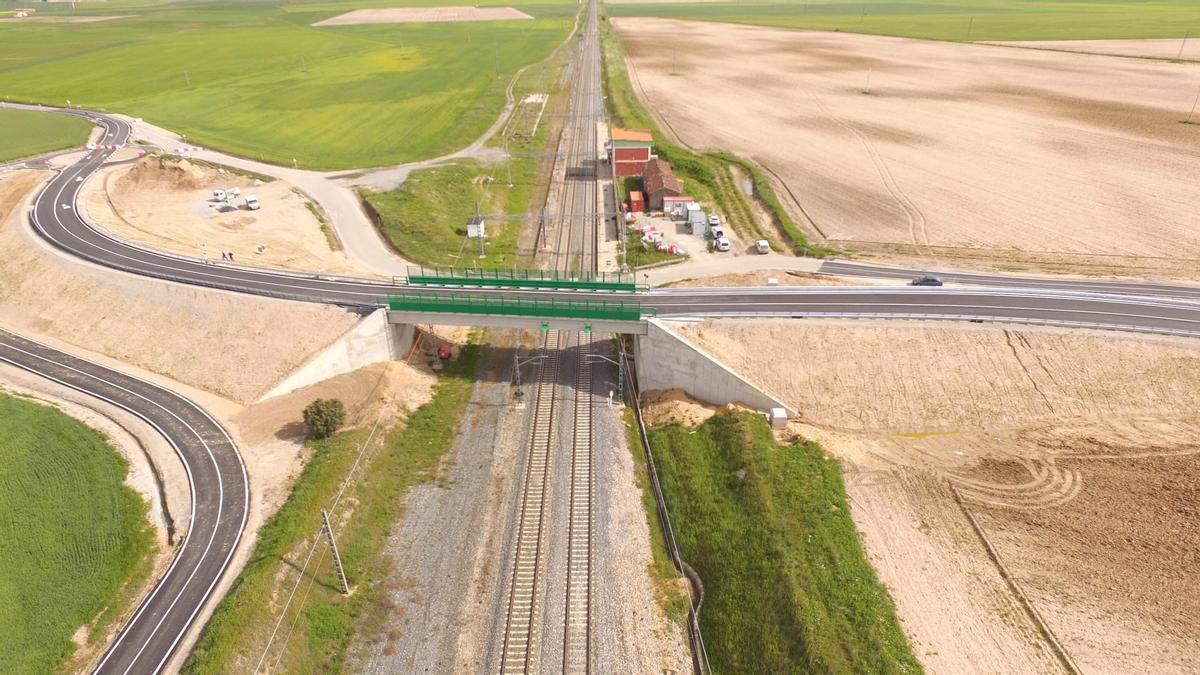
x=325, y=621
x=257, y=79
x=670, y=587
x=25, y=133
x=965, y=20
x=425, y=219
x=74, y=539
x=787, y=586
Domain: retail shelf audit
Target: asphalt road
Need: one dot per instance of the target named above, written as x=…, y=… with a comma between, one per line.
x=869, y=271
x=219, y=486
x=220, y=498
x=1039, y=300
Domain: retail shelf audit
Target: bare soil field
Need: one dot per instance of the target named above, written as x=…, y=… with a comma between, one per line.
x=1072, y=452
x=169, y=205
x=424, y=15
x=933, y=147
x=1149, y=49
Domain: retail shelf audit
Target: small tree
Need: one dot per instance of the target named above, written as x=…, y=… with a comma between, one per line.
x=324, y=416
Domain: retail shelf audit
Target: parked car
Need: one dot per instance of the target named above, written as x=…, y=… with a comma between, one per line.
x=252, y=203
x=714, y=220
x=722, y=244
x=926, y=280
x=717, y=232
x=762, y=246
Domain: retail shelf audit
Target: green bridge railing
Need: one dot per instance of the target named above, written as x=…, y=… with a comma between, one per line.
x=537, y=307
x=510, y=278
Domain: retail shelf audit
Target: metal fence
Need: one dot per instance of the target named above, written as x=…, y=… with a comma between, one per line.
x=695, y=586
x=521, y=278
x=536, y=307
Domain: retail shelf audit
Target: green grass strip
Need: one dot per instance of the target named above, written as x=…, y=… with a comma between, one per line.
x=235, y=637
x=787, y=586
x=26, y=133
x=74, y=539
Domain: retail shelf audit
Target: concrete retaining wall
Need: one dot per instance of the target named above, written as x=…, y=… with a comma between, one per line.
x=370, y=341
x=665, y=360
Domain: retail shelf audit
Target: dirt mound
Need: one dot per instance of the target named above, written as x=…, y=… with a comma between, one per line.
x=389, y=387
x=160, y=172
x=664, y=406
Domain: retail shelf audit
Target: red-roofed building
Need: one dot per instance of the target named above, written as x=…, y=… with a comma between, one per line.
x=659, y=181
x=630, y=150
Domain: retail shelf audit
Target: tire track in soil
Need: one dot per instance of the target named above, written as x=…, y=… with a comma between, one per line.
x=917, y=224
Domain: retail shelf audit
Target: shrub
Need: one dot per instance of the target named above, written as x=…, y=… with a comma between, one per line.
x=324, y=416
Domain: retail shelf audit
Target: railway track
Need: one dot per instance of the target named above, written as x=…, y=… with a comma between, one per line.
x=578, y=611
x=520, y=649
x=577, y=237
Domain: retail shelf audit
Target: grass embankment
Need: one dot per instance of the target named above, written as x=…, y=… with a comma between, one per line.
x=25, y=133
x=787, y=586
x=670, y=587
x=325, y=621
x=425, y=219
x=706, y=177
x=257, y=79
x=961, y=20
x=74, y=540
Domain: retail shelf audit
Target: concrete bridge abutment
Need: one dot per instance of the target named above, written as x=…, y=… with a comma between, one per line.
x=665, y=360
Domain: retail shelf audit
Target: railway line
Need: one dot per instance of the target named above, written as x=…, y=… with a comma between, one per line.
x=519, y=650
x=575, y=251
x=220, y=493
x=577, y=616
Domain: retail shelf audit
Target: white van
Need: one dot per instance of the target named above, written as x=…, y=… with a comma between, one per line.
x=252, y=203
x=718, y=232
x=219, y=195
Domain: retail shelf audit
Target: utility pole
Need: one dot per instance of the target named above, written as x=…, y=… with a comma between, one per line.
x=187, y=78
x=1193, y=111
x=1185, y=39
x=303, y=67
x=507, y=162
x=970, y=25
x=337, y=557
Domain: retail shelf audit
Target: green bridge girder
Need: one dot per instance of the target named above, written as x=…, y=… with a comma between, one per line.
x=551, y=308
x=521, y=278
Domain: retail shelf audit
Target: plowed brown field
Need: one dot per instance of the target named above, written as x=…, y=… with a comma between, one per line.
x=936, y=147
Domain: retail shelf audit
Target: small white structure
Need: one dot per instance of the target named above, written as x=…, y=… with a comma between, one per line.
x=252, y=203
x=219, y=195
x=476, y=228
x=696, y=221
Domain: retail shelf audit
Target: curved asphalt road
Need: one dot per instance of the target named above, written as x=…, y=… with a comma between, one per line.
x=55, y=218
x=220, y=498
x=219, y=487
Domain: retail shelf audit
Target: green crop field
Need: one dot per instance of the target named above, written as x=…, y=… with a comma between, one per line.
x=787, y=587
x=972, y=20
x=24, y=133
x=72, y=535
x=257, y=79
